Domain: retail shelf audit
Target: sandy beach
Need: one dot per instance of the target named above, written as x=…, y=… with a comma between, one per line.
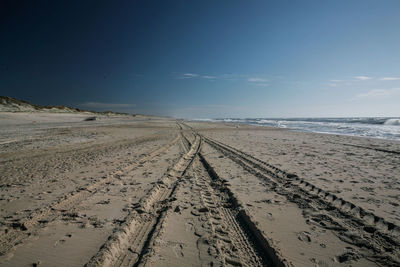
x=149, y=191
x=200, y=133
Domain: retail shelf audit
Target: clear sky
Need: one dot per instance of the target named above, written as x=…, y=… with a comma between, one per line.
x=205, y=59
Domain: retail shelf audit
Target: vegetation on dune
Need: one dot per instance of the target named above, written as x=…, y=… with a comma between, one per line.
x=16, y=103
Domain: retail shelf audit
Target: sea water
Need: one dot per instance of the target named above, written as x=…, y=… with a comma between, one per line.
x=375, y=127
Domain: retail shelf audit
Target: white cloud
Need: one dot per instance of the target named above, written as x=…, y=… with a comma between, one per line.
x=380, y=93
x=229, y=77
x=362, y=78
x=190, y=75
x=256, y=80
x=390, y=78
x=105, y=105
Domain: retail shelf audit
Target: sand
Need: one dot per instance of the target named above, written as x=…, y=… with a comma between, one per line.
x=148, y=191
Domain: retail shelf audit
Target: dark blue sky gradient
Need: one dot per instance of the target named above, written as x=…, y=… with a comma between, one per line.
x=204, y=58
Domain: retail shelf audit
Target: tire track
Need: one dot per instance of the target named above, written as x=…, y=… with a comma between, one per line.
x=226, y=234
x=351, y=223
x=224, y=227
x=19, y=232
x=129, y=243
x=230, y=222
x=370, y=148
x=248, y=239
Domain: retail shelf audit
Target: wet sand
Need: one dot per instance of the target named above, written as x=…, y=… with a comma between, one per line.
x=129, y=191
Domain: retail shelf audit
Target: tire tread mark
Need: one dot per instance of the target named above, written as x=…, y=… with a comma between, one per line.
x=123, y=247
x=385, y=236
x=15, y=236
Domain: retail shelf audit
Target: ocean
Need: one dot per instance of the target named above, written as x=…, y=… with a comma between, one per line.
x=375, y=127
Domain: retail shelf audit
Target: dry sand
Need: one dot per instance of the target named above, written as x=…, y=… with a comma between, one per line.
x=130, y=191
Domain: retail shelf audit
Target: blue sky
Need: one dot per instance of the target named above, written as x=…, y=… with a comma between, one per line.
x=205, y=59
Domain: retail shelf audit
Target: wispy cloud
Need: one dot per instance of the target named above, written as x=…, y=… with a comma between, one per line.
x=106, y=105
x=256, y=80
x=190, y=75
x=363, y=78
x=390, y=78
x=380, y=93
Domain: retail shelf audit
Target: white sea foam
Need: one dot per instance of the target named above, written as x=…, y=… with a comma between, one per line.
x=375, y=127
x=392, y=122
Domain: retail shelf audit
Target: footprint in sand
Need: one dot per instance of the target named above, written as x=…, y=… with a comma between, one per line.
x=63, y=240
x=104, y=202
x=178, y=250
x=304, y=236
x=59, y=242
x=349, y=255
x=189, y=226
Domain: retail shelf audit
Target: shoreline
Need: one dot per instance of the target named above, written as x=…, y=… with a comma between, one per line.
x=303, y=128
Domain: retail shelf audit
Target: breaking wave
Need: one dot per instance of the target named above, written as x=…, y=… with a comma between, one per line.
x=392, y=122
x=374, y=127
